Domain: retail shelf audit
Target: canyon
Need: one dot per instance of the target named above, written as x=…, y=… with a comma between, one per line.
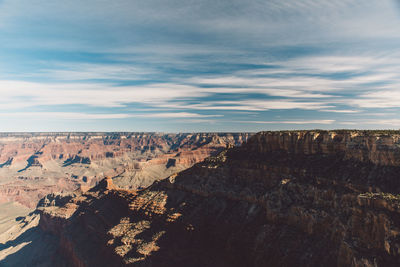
x=33, y=165
x=289, y=198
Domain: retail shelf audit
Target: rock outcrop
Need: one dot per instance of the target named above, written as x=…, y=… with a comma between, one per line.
x=33, y=165
x=283, y=199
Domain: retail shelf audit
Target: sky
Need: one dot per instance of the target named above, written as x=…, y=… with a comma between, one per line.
x=199, y=66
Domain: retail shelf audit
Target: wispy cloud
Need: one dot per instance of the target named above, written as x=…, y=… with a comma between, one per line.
x=99, y=116
x=376, y=123
x=15, y=94
x=386, y=98
x=298, y=122
x=63, y=115
x=86, y=71
x=329, y=63
x=175, y=115
x=340, y=110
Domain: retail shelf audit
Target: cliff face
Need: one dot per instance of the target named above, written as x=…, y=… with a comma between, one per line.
x=282, y=199
x=33, y=165
x=368, y=159
x=365, y=146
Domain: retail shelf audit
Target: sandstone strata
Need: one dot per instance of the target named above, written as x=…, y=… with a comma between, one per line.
x=283, y=199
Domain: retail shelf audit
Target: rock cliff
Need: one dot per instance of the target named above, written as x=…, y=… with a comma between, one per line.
x=309, y=198
x=33, y=165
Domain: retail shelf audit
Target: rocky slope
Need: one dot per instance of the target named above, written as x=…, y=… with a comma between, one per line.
x=283, y=199
x=33, y=165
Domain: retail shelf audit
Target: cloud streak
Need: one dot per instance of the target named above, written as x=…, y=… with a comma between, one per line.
x=99, y=116
x=300, y=122
x=213, y=65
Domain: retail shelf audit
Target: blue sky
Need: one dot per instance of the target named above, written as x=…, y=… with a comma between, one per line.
x=181, y=66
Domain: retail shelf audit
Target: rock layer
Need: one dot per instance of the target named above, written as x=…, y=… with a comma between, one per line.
x=282, y=199
x=33, y=165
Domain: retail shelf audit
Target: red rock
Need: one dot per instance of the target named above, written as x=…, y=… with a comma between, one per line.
x=35, y=164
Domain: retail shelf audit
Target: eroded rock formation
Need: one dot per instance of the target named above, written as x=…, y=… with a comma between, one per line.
x=33, y=165
x=283, y=199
